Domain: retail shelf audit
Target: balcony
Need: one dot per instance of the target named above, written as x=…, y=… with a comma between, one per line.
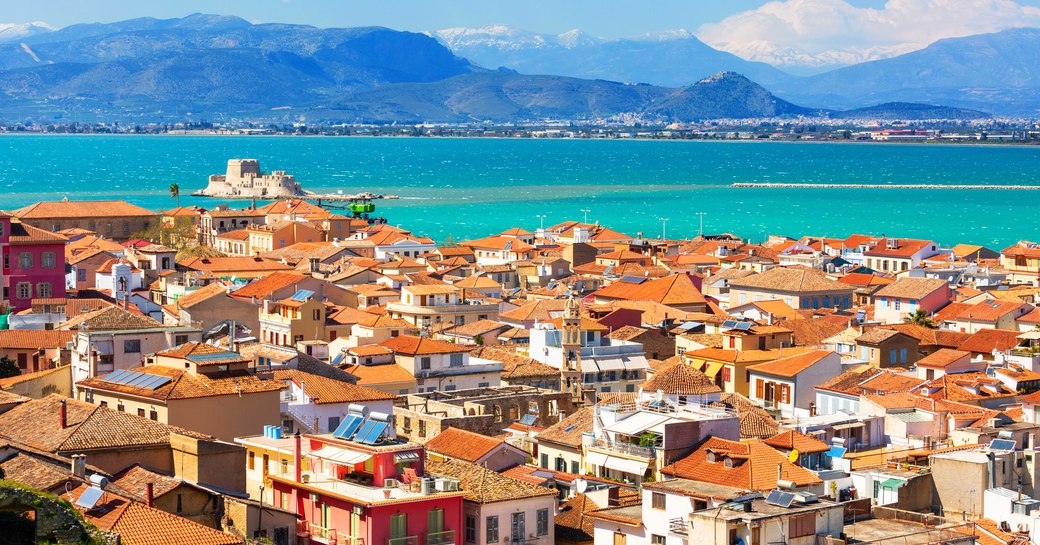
x=440, y=538
x=623, y=448
x=344, y=539
x=324, y=534
x=405, y=540
x=678, y=526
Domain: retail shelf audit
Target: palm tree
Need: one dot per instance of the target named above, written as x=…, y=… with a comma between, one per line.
x=175, y=192
x=920, y=317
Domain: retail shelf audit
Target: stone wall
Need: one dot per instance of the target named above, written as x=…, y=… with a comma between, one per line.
x=57, y=521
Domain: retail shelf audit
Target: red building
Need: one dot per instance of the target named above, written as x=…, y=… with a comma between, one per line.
x=372, y=493
x=33, y=263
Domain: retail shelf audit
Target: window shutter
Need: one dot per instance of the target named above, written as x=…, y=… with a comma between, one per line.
x=759, y=388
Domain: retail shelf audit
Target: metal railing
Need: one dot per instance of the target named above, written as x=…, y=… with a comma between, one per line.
x=404, y=540
x=623, y=448
x=344, y=539
x=440, y=538
x=319, y=532
x=678, y=526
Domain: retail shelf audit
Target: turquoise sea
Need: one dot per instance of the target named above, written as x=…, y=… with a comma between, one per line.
x=466, y=188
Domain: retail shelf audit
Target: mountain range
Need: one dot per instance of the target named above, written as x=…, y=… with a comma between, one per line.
x=222, y=67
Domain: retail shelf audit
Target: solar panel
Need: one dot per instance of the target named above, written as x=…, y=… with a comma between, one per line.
x=633, y=279
x=729, y=324
x=780, y=498
x=302, y=295
x=528, y=420
x=365, y=430
x=1002, y=444
x=338, y=359
x=744, y=326
x=509, y=246
x=125, y=379
x=374, y=433
x=89, y=498
x=348, y=426
x=608, y=269
x=138, y=379
x=113, y=376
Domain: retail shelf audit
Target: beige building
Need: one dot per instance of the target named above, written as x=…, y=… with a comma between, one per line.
x=424, y=306
x=289, y=321
x=117, y=220
x=186, y=386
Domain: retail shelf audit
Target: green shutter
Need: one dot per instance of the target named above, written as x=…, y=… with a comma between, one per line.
x=435, y=521
x=398, y=526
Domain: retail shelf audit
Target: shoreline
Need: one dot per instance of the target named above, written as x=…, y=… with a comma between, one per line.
x=782, y=185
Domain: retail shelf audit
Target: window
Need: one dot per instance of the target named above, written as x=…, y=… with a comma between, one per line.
x=126, y=227
x=656, y=539
x=333, y=423
x=657, y=500
x=574, y=467
x=434, y=527
x=47, y=260
x=803, y=525
x=81, y=275
x=398, y=526
x=492, y=529
x=424, y=363
x=140, y=412
x=471, y=529
x=542, y=522
x=785, y=393
x=132, y=346
x=180, y=339
x=544, y=461
x=43, y=289
x=24, y=290
x=252, y=460
x=422, y=428
x=153, y=415
x=456, y=360
x=619, y=538
x=25, y=260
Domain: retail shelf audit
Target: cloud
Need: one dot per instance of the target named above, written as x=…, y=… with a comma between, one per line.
x=818, y=33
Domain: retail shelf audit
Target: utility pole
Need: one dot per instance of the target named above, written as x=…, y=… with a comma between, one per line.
x=541, y=220
x=664, y=224
x=585, y=211
x=700, y=231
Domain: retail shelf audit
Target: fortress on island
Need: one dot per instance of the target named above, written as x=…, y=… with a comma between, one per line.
x=244, y=179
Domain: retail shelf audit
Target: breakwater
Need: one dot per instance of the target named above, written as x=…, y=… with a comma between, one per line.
x=771, y=185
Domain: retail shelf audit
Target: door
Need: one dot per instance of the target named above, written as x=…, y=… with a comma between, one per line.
x=518, y=528
x=398, y=528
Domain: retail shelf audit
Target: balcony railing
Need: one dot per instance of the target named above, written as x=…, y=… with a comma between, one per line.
x=344, y=539
x=440, y=538
x=678, y=526
x=324, y=534
x=405, y=540
x=623, y=448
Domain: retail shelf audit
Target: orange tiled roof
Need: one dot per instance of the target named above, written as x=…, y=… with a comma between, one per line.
x=81, y=209
x=677, y=289
x=791, y=365
x=680, y=379
x=985, y=341
x=793, y=440
x=265, y=286
x=943, y=357
x=463, y=444
x=752, y=465
x=375, y=375
x=414, y=346
x=32, y=339
x=324, y=390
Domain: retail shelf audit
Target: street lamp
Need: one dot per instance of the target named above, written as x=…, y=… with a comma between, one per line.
x=585, y=211
x=664, y=224
x=700, y=232
x=541, y=220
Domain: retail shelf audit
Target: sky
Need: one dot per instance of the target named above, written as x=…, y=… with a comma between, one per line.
x=782, y=32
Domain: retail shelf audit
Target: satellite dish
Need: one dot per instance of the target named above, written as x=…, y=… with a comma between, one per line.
x=582, y=485
x=793, y=457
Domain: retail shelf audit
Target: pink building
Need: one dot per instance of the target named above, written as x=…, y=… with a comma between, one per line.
x=358, y=492
x=33, y=263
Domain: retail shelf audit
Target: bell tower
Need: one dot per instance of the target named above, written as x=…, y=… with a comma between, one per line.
x=570, y=370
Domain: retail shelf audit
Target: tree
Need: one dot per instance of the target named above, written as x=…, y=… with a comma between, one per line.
x=8, y=368
x=920, y=317
x=175, y=192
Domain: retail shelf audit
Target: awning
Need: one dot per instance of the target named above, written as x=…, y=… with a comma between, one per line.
x=637, y=423
x=405, y=457
x=635, y=362
x=341, y=455
x=892, y=484
x=634, y=467
x=848, y=426
x=609, y=364
x=697, y=364
x=837, y=452
x=713, y=369
x=596, y=458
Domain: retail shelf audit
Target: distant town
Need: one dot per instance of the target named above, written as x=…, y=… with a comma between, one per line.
x=293, y=373
x=989, y=130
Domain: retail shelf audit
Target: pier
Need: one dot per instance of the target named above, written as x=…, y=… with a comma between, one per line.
x=772, y=185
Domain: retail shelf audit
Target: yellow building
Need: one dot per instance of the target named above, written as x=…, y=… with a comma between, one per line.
x=194, y=386
x=294, y=319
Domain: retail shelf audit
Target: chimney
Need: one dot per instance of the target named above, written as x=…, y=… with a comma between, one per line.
x=314, y=265
x=63, y=419
x=79, y=466
x=149, y=492
x=297, y=458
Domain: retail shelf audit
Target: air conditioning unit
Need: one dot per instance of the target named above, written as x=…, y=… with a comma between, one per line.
x=389, y=483
x=428, y=487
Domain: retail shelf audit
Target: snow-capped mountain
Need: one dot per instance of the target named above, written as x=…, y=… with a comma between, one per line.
x=671, y=58
x=17, y=31
x=796, y=60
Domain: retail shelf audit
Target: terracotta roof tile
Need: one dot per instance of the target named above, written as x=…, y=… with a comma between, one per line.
x=793, y=280
x=793, y=440
x=675, y=290
x=80, y=209
x=32, y=339
x=413, y=346
x=463, y=444
x=325, y=390
x=374, y=376
x=572, y=521
x=484, y=486
x=791, y=365
x=110, y=319
x=912, y=288
x=753, y=465
x=680, y=379
x=569, y=430
x=943, y=357
x=266, y=285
